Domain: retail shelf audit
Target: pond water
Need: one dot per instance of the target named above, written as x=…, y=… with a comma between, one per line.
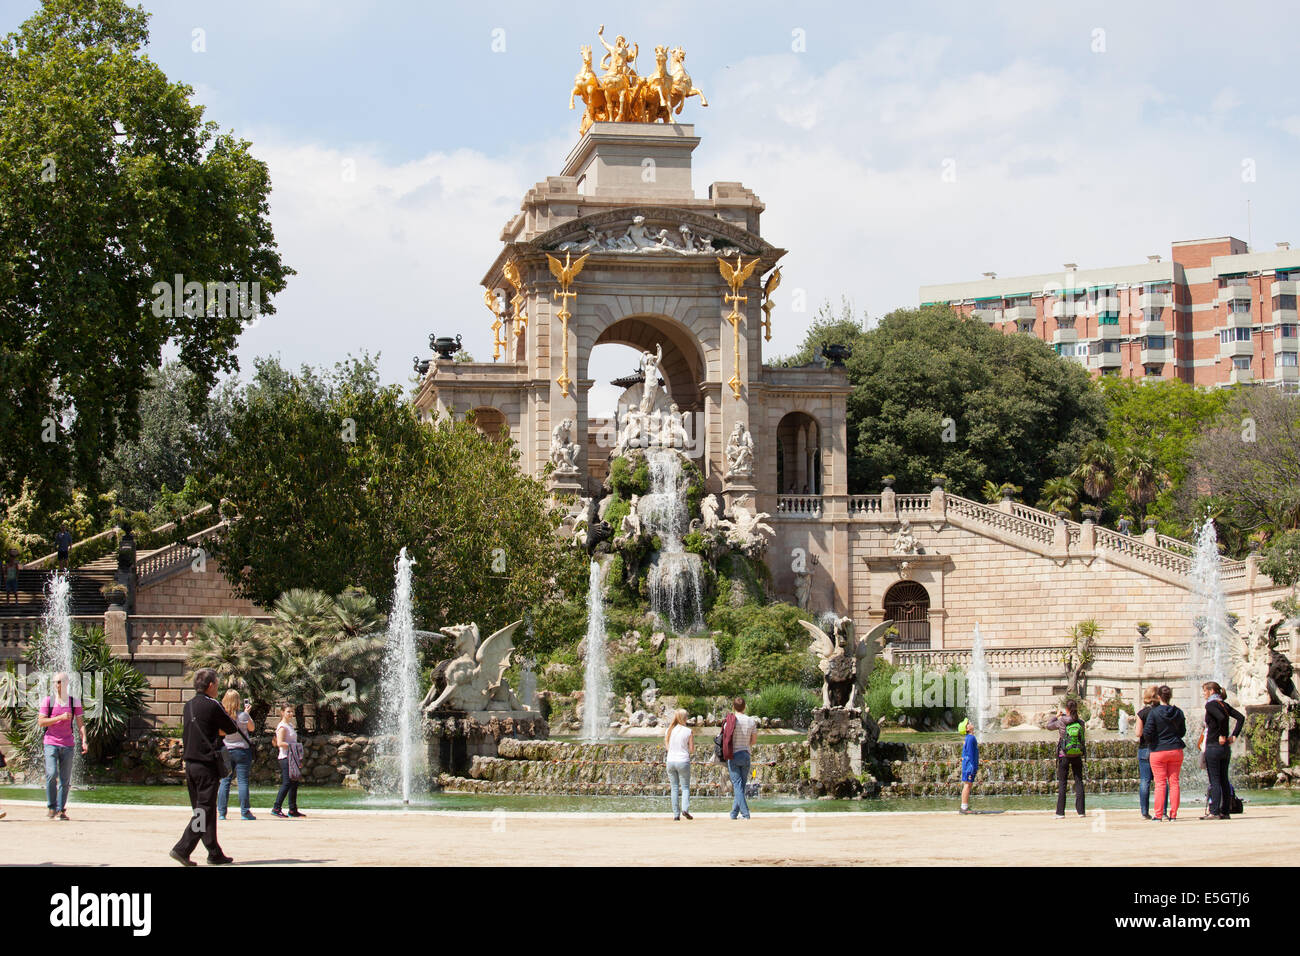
x=340, y=798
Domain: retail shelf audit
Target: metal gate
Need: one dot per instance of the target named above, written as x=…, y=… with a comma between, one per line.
x=908, y=605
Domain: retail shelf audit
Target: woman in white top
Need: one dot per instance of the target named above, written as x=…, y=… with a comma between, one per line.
x=241, y=757
x=680, y=744
x=286, y=736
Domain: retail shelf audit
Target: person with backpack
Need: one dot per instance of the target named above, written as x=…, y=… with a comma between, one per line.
x=1163, y=730
x=1218, y=749
x=286, y=738
x=58, y=712
x=1069, y=755
x=738, y=733
x=970, y=762
x=680, y=744
x=202, y=723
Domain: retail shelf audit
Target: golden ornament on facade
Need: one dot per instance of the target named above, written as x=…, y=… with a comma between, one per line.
x=565, y=274
x=735, y=277
x=519, y=300
x=618, y=95
x=773, y=280
x=494, y=306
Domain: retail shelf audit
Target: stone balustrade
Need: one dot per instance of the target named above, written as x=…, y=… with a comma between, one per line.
x=798, y=506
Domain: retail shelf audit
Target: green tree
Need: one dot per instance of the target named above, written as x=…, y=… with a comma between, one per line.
x=1096, y=470
x=110, y=182
x=330, y=475
x=1060, y=494
x=1281, y=562
x=934, y=392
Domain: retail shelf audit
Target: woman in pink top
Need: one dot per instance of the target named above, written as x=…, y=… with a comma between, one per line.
x=57, y=714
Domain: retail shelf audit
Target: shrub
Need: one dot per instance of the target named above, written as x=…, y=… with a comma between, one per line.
x=629, y=673
x=791, y=703
x=629, y=475
x=1110, y=711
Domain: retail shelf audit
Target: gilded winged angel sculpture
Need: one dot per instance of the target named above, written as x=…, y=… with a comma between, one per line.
x=475, y=675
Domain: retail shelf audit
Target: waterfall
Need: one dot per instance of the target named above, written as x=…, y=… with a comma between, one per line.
x=596, y=686
x=674, y=578
x=402, y=743
x=980, y=693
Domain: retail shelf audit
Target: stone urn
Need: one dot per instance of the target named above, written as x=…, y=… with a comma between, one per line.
x=1143, y=628
x=887, y=481
x=939, y=481
x=445, y=346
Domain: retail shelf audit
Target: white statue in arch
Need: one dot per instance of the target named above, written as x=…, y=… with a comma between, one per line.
x=650, y=369
x=564, y=450
x=740, y=453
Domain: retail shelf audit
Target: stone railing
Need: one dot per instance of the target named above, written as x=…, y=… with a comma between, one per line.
x=798, y=506
x=168, y=635
x=1175, y=545
x=1046, y=661
x=1138, y=549
x=910, y=504
x=100, y=545
x=1002, y=520
x=16, y=632
x=866, y=505
x=164, y=561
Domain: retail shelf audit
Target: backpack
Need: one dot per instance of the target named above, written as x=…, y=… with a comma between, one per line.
x=1073, y=742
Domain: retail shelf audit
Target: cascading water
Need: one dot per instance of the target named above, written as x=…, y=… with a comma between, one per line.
x=401, y=744
x=596, y=685
x=55, y=655
x=674, y=578
x=1211, y=651
x=980, y=693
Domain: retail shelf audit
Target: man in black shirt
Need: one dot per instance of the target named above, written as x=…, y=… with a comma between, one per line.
x=201, y=724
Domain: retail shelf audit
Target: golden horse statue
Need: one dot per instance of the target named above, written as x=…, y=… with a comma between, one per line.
x=652, y=97
x=619, y=80
x=683, y=88
x=587, y=85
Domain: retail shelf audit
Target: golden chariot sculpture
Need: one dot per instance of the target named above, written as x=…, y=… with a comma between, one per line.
x=618, y=95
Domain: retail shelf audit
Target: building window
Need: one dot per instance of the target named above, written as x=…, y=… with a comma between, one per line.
x=1153, y=369
x=1241, y=362
x=1239, y=306
x=1234, y=335
x=1284, y=302
x=1101, y=347
x=1286, y=330
x=1285, y=360
x=1108, y=318
x=1154, y=342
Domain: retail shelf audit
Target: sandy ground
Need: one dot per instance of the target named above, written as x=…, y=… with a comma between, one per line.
x=141, y=836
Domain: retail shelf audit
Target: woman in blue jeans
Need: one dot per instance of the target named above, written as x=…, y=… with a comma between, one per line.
x=680, y=744
x=1145, y=776
x=241, y=759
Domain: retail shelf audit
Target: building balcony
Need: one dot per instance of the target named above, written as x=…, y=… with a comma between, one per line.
x=1286, y=315
x=1241, y=376
x=1234, y=293
x=1108, y=332
x=1106, y=360
x=1238, y=320
x=1152, y=327
x=1107, y=303
x=1067, y=336
x=1236, y=349
x=1020, y=313
x=1284, y=288
x=1153, y=300
x=1288, y=343
x=1286, y=374
x=991, y=316
x=1157, y=356
x=1063, y=309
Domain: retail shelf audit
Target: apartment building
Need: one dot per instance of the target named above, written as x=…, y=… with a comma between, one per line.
x=1214, y=313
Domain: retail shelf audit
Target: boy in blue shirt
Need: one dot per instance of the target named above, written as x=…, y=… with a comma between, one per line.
x=970, y=762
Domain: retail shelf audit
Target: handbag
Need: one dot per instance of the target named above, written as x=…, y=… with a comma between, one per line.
x=295, y=761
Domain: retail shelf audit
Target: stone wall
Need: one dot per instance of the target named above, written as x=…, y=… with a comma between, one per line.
x=191, y=593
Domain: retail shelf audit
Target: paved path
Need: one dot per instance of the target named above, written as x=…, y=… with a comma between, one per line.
x=101, y=835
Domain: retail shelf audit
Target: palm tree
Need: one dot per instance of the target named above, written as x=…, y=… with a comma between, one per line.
x=237, y=649
x=1060, y=494
x=1096, y=470
x=1142, y=480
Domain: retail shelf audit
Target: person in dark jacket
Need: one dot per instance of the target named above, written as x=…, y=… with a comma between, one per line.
x=1145, y=777
x=1069, y=756
x=201, y=725
x=1218, y=748
x=1163, y=730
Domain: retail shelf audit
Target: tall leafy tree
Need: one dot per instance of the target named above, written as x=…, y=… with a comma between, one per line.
x=111, y=182
x=934, y=392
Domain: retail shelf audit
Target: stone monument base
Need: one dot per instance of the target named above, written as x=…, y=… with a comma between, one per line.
x=836, y=747
x=455, y=738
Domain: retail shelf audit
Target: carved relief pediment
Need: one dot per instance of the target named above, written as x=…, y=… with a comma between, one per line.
x=652, y=231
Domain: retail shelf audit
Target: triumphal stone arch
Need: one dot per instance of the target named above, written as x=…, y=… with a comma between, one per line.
x=619, y=248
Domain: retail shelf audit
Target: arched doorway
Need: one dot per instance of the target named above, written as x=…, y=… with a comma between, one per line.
x=491, y=423
x=907, y=604
x=683, y=367
x=798, y=455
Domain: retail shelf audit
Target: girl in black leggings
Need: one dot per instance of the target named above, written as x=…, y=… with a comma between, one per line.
x=1218, y=748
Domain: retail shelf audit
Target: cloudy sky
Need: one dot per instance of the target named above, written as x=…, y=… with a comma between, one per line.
x=894, y=145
